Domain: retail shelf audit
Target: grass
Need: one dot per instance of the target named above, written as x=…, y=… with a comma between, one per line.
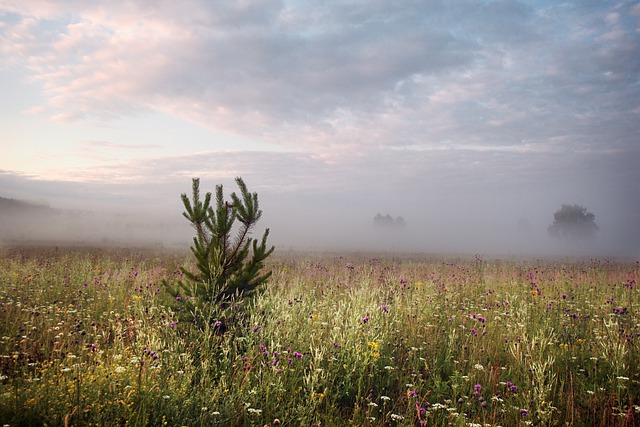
x=90, y=337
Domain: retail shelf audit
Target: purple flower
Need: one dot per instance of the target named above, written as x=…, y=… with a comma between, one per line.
x=217, y=324
x=365, y=319
x=477, y=387
x=564, y=296
x=297, y=355
x=384, y=308
x=524, y=412
x=473, y=331
x=513, y=389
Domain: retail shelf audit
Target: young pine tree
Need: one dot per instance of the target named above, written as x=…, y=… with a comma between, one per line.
x=229, y=269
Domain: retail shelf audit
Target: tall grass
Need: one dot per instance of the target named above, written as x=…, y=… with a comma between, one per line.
x=91, y=338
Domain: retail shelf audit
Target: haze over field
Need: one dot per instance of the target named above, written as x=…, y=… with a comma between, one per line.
x=465, y=118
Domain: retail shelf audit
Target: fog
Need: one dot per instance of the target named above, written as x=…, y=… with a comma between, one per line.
x=323, y=222
x=473, y=121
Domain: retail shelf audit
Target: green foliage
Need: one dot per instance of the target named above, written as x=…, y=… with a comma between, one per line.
x=573, y=222
x=229, y=268
x=86, y=339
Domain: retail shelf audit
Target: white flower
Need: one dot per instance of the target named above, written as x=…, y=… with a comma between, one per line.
x=120, y=369
x=397, y=417
x=479, y=367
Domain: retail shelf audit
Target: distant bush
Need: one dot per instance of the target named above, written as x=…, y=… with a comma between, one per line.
x=388, y=222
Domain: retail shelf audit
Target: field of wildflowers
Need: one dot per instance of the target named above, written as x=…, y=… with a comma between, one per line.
x=90, y=337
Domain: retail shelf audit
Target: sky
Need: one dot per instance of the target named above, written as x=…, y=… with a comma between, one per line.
x=464, y=117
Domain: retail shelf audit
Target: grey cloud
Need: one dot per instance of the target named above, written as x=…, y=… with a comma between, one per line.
x=441, y=110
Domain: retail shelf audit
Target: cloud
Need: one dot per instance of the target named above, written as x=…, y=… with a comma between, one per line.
x=434, y=107
x=374, y=72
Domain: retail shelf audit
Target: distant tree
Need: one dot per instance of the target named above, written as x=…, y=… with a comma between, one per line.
x=573, y=222
x=387, y=221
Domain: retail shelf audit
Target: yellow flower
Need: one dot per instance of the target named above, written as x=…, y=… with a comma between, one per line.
x=374, y=345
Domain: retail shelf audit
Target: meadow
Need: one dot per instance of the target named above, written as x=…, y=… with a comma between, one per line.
x=91, y=337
